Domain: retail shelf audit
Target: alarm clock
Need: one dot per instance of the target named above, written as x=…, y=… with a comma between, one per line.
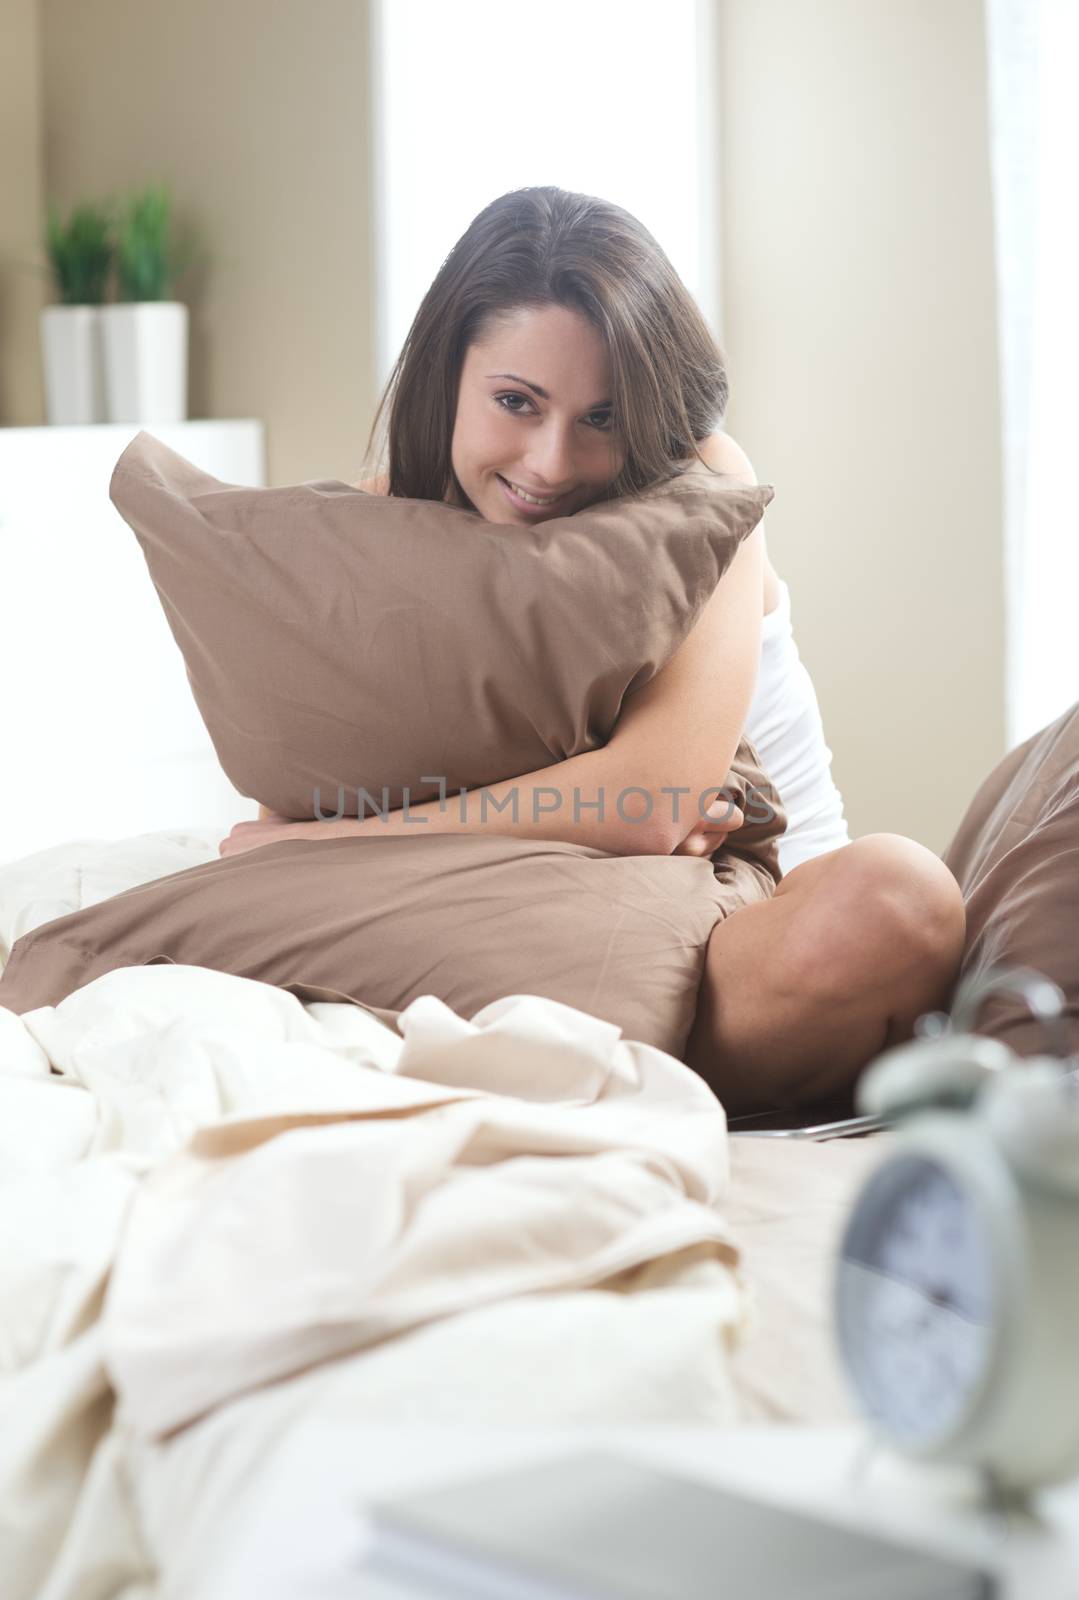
x=956, y=1287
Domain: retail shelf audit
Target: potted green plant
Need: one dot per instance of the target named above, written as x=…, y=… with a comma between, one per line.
x=79, y=253
x=145, y=333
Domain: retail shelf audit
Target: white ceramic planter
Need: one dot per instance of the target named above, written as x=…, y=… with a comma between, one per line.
x=145, y=354
x=72, y=357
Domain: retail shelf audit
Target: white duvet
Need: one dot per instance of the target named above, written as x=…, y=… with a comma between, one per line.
x=220, y=1207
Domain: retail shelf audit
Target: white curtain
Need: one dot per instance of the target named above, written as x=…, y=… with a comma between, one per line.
x=1033, y=48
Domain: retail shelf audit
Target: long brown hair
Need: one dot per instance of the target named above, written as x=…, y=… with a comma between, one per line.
x=538, y=247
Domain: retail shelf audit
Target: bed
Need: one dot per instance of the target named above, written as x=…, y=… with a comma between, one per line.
x=602, y=1250
x=230, y=1207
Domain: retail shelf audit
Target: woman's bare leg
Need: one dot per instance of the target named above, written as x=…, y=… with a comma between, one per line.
x=801, y=991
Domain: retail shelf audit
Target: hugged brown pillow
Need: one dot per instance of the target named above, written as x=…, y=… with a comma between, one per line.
x=1016, y=857
x=337, y=641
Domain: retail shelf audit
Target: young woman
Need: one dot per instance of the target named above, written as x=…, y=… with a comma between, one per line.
x=558, y=360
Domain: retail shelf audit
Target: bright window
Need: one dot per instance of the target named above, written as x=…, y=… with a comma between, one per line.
x=1033, y=68
x=470, y=101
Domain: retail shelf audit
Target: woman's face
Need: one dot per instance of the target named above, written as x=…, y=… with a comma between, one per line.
x=557, y=443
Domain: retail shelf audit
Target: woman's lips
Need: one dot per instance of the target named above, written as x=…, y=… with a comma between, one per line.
x=525, y=505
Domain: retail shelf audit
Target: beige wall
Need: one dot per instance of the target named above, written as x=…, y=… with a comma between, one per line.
x=860, y=328
x=258, y=115
x=24, y=284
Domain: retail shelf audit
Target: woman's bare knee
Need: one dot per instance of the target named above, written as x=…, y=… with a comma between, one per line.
x=929, y=919
x=898, y=955
x=888, y=912
x=799, y=994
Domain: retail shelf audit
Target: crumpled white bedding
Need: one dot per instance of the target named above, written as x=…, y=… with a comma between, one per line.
x=221, y=1207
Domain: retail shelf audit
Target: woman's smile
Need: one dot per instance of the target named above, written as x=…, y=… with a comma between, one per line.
x=531, y=505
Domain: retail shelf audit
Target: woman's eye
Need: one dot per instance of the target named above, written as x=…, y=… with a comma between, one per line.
x=511, y=409
x=515, y=411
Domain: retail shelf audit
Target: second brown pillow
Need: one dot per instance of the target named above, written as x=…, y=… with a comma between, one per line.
x=381, y=921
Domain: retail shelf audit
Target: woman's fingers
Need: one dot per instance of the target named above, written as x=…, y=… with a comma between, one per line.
x=710, y=831
x=723, y=816
x=248, y=836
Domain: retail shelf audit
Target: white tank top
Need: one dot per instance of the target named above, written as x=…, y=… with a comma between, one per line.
x=784, y=724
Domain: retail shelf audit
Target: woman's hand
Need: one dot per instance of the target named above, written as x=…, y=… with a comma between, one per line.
x=270, y=829
x=709, y=833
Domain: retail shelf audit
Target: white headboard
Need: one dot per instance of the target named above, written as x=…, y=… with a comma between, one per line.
x=100, y=736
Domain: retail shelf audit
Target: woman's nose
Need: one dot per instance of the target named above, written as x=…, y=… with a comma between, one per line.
x=552, y=459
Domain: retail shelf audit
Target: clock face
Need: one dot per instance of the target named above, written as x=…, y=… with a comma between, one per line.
x=915, y=1298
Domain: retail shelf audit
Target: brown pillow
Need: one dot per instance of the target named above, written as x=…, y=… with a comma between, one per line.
x=380, y=921
x=1016, y=858
x=337, y=641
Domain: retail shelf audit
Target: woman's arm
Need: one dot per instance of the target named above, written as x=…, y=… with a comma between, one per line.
x=581, y=800
x=682, y=729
